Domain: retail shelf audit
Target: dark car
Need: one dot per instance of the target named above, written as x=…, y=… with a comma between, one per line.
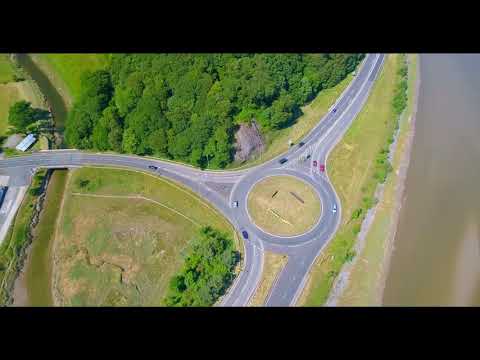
x=245, y=234
x=322, y=168
x=282, y=161
x=152, y=167
x=314, y=163
x=334, y=110
x=300, y=144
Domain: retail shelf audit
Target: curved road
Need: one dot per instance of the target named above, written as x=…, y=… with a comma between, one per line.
x=221, y=188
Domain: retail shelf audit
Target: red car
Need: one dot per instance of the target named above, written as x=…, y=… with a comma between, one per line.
x=322, y=167
x=314, y=163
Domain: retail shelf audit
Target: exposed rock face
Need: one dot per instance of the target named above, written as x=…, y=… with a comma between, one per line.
x=248, y=142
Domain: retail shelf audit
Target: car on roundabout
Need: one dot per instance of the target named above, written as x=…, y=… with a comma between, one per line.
x=245, y=234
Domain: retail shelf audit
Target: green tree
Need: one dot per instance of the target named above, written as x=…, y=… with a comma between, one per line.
x=21, y=115
x=207, y=270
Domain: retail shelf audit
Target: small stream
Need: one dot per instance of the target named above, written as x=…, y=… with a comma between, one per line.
x=54, y=99
x=33, y=287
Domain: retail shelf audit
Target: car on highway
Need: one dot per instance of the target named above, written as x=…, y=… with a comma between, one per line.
x=245, y=234
x=334, y=110
x=322, y=167
x=235, y=204
x=153, y=167
x=314, y=163
x=301, y=143
x=334, y=210
x=283, y=161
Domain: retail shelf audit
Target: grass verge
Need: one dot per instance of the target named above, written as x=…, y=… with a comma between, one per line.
x=12, y=250
x=357, y=164
x=7, y=71
x=284, y=205
x=272, y=266
x=121, y=237
x=365, y=281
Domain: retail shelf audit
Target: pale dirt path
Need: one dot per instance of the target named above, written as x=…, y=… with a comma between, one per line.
x=138, y=197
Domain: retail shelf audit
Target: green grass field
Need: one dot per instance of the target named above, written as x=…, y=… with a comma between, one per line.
x=69, y=68
x=351, y=169
x=364, y=287
x=277, y=141
x=114, y=248
x=284, y=205
x=8, y=95
x=7, y=71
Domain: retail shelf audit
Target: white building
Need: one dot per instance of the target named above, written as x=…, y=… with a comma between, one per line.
x=26, y=143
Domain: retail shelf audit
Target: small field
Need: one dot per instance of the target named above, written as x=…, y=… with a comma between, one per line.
x=273, y=264
x=8, y=95
x=352, y=172
x=277, y=141
x=7, y=71
x=284, y=205
x=65, y=70
x=121, y=237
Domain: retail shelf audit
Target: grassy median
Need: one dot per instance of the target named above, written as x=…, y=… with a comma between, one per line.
x=122, y=235
x=273, y=264
x=356, y=166
x=284, y=205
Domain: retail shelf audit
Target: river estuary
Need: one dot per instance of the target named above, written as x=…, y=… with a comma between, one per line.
x=436, y=260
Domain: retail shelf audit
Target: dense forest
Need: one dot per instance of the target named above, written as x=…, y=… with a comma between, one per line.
x=186, y=106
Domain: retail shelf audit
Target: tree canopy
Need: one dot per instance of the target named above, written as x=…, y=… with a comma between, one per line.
x=186, y=106
x=21, y=115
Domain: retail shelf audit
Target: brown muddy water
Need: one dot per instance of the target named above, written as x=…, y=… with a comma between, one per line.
x=436, y=260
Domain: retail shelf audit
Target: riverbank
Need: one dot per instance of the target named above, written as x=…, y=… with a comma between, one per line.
x=56, y=80
x=33, y=286
x=19, y=237
x=361, y=282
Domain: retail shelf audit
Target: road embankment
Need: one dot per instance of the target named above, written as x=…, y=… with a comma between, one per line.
x=356, y=166
x=362, y=281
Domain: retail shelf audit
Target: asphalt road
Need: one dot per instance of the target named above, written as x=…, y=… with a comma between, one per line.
x=221, y=188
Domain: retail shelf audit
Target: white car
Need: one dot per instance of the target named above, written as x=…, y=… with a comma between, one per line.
x=334, y=210
x=235, y=204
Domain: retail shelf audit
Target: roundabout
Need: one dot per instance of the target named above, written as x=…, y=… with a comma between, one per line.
x=283, y=205
x=228, y=192
x=320, y=218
